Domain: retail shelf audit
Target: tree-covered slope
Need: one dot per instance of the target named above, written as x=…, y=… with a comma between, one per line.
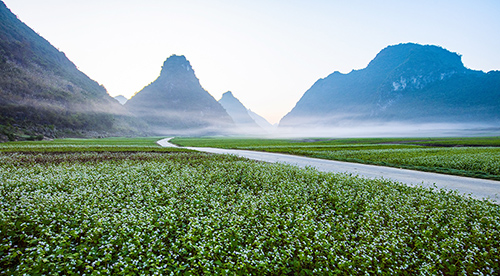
x=404, y=83
x=43, y=93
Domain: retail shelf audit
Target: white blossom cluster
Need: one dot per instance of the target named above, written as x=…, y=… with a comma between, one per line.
x=479, y=160
x=145, y=213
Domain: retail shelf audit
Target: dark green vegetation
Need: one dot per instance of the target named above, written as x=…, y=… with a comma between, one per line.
x=474, y=157
x=190, y=213
x=42, y=93
x=112, y=144
x=408, y=83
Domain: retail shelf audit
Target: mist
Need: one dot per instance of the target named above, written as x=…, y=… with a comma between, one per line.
x=366, y=130
x=390, y=129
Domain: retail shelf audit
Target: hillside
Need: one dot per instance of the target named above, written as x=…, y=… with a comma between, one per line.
x=43, y=94
x=261, y=121
x=407, y=83
x=176, y=104
x=121, y=99
x=239, y=113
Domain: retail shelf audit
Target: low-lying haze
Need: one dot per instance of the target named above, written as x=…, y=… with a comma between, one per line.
x=267, y=52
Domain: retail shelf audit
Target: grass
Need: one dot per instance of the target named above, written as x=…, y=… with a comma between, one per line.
x=149, y=212
x=113, y=144
x=252, y=142
x=472, y=156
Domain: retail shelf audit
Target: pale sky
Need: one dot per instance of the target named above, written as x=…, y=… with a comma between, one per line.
x=268, y=53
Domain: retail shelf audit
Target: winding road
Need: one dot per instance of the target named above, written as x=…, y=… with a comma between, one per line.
x=478, y=188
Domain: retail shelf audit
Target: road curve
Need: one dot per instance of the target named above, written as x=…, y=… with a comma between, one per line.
x=166, y=143
x=478, y=188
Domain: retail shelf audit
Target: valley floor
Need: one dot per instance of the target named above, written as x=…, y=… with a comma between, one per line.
x=391, y=148
x=128, y=206
x=479, y=188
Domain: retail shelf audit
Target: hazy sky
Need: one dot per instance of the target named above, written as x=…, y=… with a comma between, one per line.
x=268, y=53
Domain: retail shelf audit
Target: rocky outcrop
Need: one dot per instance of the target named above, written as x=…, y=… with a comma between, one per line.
x=176, y=104
x=408, y=83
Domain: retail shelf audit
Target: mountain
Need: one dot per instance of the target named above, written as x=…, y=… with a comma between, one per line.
x=42, y=93
x=261, y=121
x=121, y=99
x=239, y=113
x=408, y=83
x=176, y=104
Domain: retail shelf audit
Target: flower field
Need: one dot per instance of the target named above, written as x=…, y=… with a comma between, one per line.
x=478, y=162
x=168, y=213
x=114, y=144
x=473, y=157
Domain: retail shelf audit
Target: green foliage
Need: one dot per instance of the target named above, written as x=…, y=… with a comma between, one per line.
x=472, y=156
x=112, y=144
x=40, y=87
x=192, y=213
x=7, y=132
x=219, y=142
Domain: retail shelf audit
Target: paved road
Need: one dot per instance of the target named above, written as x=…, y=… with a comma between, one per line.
x=166, y=143
x=478, y=188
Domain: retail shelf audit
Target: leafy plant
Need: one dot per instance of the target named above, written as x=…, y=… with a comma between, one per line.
x=473, y=156
x=90, y=212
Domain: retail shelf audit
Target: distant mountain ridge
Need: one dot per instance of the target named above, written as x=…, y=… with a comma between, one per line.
x=261, y=121
x=237, y=111
x=247, y=121
x=176, y=104
x=404, y=83
x=121, y=99
x=42, y=93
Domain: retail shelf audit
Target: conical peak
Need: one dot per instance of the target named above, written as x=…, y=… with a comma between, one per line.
x=228, y=97
x=176, y=64
x=228, y=94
